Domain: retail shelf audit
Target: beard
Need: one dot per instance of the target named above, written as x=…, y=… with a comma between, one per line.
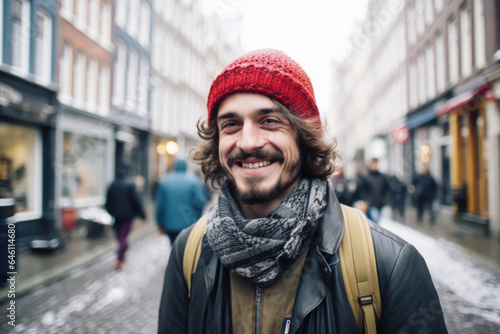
x=253, y=191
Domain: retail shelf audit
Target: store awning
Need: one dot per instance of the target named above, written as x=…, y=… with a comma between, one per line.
x=464, y=100
x=421, y=117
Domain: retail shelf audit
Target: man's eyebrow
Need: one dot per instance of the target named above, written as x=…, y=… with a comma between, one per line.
x=263, y=111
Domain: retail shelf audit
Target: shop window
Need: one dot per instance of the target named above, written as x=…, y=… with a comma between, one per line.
x=84, y=162
x=20, y=169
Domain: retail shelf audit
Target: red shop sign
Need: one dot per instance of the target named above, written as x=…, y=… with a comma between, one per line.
x=401, y=134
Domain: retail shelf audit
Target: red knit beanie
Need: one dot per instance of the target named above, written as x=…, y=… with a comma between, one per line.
x=269, y=72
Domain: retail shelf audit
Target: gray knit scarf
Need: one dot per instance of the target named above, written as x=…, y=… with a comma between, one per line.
x=262, y=249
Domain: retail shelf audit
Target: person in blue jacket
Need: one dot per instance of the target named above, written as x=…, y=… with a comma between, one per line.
x=180, y=199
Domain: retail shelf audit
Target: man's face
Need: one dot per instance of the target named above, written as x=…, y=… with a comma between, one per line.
x=257, y=148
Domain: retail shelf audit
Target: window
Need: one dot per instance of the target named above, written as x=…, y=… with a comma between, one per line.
x=20, y=172
x=121, y=13
x=132, y=75
x=421, y=78
x=92, y=83
x=43, y=59
x=143, y=91
x=79, y=79
x=104, y=88
x=479, y=35
x=452, y=52
x=94, y=15
x=81, y=11
x=133, y=18
x=119, y=74
x=83, y=168
x=465, y=42
x=438, y=6
x=419, y=13
x=105, y=28
x=67, y=6
x=20, y=34
x=431, y=70
x=65, y=71
x=429, y=14
x=145, y=24
x=440, y=64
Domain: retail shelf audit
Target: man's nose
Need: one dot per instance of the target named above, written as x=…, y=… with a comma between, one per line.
x=251, y=138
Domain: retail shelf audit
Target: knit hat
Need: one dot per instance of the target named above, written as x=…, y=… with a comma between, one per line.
x=269, y=72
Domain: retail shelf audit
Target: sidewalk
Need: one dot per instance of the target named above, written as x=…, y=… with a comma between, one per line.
x=483, y=248
x=39, y=268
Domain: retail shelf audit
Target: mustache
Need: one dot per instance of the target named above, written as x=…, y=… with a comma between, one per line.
x=258, y=154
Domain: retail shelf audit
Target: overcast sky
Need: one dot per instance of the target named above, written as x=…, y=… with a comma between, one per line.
x=311, y=32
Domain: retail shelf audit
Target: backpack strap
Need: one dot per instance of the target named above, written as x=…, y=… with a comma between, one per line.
x=359, y=270
x=192, y=250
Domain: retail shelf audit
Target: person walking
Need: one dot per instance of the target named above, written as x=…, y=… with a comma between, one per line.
x=180, y=199
x=424, y=193
x=397, y=197
x=375, y=189
x=123, y=203
x=269, y=259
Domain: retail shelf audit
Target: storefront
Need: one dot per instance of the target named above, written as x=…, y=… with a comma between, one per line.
x=84, y=161
x=469, y=154
x=428, y=146
x=27, y=132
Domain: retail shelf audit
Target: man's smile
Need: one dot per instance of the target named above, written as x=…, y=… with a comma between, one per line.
x=253, y=165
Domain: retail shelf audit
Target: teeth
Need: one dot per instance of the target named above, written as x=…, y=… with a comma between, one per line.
x=255, y=164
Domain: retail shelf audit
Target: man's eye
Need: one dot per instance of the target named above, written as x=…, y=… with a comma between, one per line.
x=228, y=125
x=270, y=121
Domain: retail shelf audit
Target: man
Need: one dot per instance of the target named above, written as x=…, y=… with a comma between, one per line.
x=397, y=194
x=180, y=199
x=424, y=189
x=375, y=190
x=269, y=261
x=124, y=204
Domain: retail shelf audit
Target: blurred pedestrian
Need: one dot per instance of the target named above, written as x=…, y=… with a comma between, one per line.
x=375, y=190
x=424, y=192
x=397, y=197
x=346, y=189
x=180, y=199
x=123, y=202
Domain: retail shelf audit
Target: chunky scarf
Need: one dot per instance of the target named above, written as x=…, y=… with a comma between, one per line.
x=262, y=249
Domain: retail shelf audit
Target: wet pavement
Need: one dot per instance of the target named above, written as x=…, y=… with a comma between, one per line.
x=95, y=298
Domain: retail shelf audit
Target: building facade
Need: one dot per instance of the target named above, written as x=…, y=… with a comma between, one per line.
x=430, y=82
x=131, y=86
x=189, y=49
x=28, y=105
x=85, y=136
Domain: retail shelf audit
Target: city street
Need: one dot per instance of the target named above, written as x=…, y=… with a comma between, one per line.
x=97, y=299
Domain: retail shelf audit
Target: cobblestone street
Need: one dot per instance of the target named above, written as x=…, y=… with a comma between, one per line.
x=98, y=299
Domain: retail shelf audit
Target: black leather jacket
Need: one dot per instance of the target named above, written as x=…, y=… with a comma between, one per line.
x=410, y=303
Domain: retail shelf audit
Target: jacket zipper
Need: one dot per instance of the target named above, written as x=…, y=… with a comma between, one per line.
x=258, y=295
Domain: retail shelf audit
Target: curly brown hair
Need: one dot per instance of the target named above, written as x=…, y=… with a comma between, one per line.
x=319, y=152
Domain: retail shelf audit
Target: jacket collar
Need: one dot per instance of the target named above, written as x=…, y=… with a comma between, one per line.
x=331, y=226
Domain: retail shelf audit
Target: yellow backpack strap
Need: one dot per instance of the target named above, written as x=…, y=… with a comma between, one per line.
x=359, y=270
x=192, y=250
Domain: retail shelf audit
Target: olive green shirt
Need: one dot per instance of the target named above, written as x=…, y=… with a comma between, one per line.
x=276, y=302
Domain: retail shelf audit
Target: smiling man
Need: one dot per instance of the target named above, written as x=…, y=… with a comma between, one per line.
x=269, y=260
